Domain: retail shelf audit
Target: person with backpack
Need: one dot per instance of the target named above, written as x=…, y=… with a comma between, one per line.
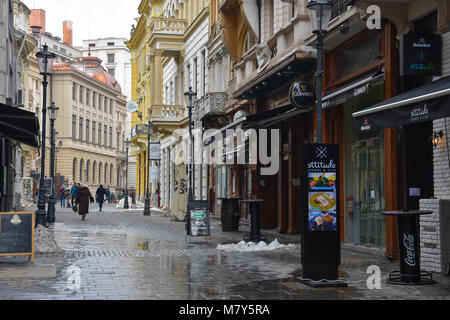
x=73, y=193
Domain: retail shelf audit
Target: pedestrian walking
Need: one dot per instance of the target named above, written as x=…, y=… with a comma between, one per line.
x=83, y=198
x=73, y=193
x=62, y=197
x=100, y=196
x=108, y=195
x=67, y=195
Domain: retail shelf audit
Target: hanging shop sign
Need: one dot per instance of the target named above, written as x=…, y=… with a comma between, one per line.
x=301, y=94
x=155, y=151
x=420, y=55
x=198, y=224
x=320, y=215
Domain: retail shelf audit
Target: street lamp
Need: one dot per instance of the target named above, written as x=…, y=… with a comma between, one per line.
x=125, y=204
x=319, y=15
x=148, y=128
x=190, y=104
x=52, y=201
x=45, y=62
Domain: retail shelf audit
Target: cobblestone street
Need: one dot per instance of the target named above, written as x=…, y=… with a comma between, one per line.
x=124, y=255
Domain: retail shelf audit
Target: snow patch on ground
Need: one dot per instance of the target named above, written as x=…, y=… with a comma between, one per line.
x=44, y=240
x=138, y=205
x=251, y=246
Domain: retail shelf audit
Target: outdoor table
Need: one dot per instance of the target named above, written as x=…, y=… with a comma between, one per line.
x=255, y=227
x=408, y=227
x=230, y=213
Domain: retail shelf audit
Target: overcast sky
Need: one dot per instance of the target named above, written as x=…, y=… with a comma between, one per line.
x=91, y=18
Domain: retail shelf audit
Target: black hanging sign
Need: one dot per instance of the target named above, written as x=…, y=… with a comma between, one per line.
x=320, y=241
x=301, y=94
x=420, y=55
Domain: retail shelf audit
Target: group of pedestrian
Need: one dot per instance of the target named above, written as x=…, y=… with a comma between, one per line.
x=79, y=197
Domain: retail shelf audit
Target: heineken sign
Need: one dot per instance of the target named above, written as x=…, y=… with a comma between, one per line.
x=301, y=94
x=420, y=55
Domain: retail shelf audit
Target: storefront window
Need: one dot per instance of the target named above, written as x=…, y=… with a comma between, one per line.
x=362, y=54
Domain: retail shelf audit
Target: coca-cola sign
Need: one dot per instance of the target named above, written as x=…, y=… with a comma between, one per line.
x=408, y=243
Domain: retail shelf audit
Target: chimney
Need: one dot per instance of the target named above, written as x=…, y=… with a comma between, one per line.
x=67, y=33
x=37, y=19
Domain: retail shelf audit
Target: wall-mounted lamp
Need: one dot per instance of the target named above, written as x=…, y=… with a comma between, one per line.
x=436, y=138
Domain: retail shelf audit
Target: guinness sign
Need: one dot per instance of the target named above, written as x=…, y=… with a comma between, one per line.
x=301, y=94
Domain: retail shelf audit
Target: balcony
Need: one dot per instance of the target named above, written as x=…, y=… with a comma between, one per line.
x=211, y=104
x=166, y=112
x=138, y=130
x=168, y=26
x=340, y=6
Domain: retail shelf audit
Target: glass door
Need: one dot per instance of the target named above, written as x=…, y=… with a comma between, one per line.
x=369, y=192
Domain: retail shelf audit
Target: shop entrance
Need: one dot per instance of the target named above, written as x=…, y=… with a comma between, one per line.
x=369, y=224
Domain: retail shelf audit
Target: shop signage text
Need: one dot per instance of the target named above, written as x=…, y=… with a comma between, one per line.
x=301, y=94
x=420, y=55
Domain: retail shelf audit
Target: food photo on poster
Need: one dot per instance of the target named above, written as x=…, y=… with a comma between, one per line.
x=322, y=202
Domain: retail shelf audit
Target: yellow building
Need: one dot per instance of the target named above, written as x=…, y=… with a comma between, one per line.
x=163, y=44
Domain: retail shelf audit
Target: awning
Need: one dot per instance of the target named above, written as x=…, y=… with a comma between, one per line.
x=267, y=118
x=425, y=103
x=352, y=90
x=19, y=124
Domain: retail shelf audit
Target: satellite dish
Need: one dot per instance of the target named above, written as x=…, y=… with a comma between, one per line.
x=132, y=106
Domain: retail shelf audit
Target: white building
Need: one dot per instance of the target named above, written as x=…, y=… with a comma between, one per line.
x=116, y=59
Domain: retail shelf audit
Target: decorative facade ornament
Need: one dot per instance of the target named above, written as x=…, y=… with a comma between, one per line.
x=263, y=55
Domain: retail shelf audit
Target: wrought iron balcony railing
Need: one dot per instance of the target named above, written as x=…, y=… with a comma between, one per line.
x=210, y=103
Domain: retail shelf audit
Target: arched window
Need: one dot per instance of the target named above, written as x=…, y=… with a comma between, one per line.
x=100, y=168
x=94, y=169
x=81, y=169
x=111, y=174
x=88, y=167
x=249, y=42
x=74, y=169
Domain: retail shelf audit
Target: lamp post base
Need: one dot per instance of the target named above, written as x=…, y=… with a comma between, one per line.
x=51, y=210
x=125, y=203
x=147, y=207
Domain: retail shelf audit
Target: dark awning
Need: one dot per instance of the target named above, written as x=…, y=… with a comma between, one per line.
x=270, y=117
x=352, y=90
x=19, y=124
x=425, y=103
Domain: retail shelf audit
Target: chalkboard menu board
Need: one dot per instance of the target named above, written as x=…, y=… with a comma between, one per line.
x=17, y=234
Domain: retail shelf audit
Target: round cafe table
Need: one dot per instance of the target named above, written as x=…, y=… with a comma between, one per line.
x=408, y=226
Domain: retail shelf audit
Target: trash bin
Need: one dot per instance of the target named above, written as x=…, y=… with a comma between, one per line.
x=230, y=214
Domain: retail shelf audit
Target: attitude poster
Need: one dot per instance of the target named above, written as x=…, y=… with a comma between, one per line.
x=322, y=201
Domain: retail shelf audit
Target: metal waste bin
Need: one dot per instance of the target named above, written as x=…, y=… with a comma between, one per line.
x=230, y=214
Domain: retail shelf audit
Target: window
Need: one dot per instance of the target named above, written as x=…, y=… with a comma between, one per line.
x=105, y=105
x=111, y=103
x=74, y=127
x=110, y=137
x=111, y=72
x=81, y=169
x=94, y=168
x=111, y=174
x=88, y=165
x=117, y=142
x=362, y=54
x=81, y=94
x=100, y=168
x=91, y=45
x=110, y=44
x=106, y=169
x=194, y=76
x=80, y=132
x=63, y=50
x=88, y=93
x=111, y=57
x=74, y=169
x=203, y=72
x=93, y=131
x=74, y=91
x=87, y=130
x=105, y=132
x=94, y=100
x=99, y=102
x=99, y=134
x=188, y=77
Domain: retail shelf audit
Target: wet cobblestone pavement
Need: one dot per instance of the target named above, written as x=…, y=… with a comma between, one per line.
x=124, y=255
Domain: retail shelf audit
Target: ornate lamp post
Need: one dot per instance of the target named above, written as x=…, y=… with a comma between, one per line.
x=190, y=104
x=125, y=204
x=45, y=62
x=51, y=203
x=319, y=15
x=148, y=132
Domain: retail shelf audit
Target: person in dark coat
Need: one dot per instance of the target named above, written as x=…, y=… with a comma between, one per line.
x=83, y=198
x=100, y=196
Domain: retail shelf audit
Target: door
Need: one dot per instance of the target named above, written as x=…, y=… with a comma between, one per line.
x=370, y=226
